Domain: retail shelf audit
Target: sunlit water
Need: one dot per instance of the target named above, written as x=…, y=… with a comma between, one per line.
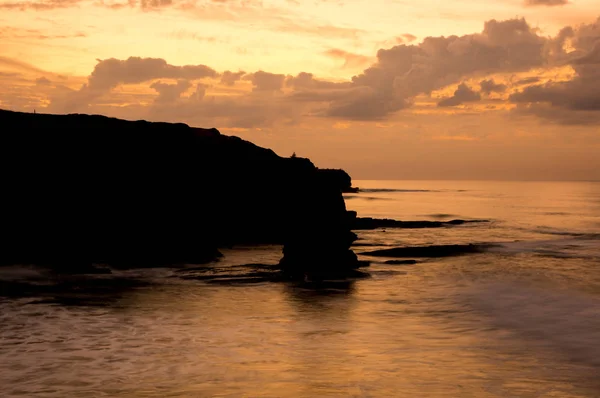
x=521, y=320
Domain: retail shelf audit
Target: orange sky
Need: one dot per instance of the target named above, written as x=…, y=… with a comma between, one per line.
x=424, y=89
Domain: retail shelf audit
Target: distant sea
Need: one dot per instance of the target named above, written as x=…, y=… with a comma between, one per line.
x=521, y=319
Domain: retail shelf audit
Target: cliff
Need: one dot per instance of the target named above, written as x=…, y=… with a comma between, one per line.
x=160, y=194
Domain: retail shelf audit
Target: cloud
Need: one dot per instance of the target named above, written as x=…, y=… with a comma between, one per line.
x=527, y=80
x=364, y=104
x=9, y=74
x=170, y=92
x=395, y=81
x=229, y=78
x=462, y=94
x=19, y=33
x=42, y=81
x=305, y=80
x=547, y=3
x=111, y=72
x=328, y=95
x=155, y=3
x=143, y=4
x=406, y=38
x=275, y=18
x=39, y=5
x=265, y=81
x=405, y=71
x=351, y=60
x=11, y=63
x=490, y=86
x=241, y=111
x=580, y=95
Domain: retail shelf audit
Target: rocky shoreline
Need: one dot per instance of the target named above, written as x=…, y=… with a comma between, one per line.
x=162, y=194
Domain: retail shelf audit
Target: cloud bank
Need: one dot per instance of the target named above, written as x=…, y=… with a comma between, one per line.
x=391, y=83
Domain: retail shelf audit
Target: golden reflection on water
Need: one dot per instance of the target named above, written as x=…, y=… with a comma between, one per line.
x=396, y=334
x=519, y=322
x=381, y=337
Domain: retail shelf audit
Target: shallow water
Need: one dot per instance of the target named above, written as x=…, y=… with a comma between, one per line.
x=520, y=320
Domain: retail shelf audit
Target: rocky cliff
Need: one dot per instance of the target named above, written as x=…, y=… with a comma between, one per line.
x=160, y=194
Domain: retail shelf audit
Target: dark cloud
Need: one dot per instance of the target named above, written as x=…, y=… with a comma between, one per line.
x=576, y=100
x=110, y=73
x=547, y=3
x=331, y=94
x=490, y=86
x=365, y=104
x=245, y=111
x=591, y=58
x=390, y=84
x=42, y=81
x=265, y=81
x=170, y=92
x=578, y=94
x=582, y=93
x=404, y=71
x=155, y=3
x=9, y=74
x=462, y=94
x=306, y=80
x=229, y=78
x=527, y=80
x=143, y=4
x=553, y=114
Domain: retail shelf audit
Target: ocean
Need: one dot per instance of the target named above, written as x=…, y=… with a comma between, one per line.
x=521, y=319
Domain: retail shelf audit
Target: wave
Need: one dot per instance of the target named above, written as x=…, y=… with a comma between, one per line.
x=544, y=230
x=432, y=251
x=547, y=231
x=563, y=320
x=572, y=246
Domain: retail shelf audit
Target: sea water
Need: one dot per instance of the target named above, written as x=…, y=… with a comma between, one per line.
x=519, y=320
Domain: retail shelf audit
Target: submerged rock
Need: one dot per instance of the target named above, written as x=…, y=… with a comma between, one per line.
x=401, y=262
x=368, y=223
x=430, y=251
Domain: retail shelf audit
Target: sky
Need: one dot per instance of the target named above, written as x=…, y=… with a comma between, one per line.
x=385, y=89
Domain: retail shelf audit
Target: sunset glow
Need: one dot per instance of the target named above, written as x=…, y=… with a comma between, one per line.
x=382, y=88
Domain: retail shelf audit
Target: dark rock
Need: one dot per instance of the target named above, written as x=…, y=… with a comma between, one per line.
x=430, y=251
x=340, y=178
x=401, y=262
x=161, y=194
x=367, y=223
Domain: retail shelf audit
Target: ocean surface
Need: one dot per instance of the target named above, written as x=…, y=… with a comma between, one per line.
x=521, y=319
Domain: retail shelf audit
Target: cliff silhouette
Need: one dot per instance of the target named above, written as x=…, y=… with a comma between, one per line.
x=161, y=194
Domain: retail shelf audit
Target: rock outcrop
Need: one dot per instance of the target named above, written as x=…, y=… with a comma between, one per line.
x=368, y=223
x=160, y=194
x=433, y=251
